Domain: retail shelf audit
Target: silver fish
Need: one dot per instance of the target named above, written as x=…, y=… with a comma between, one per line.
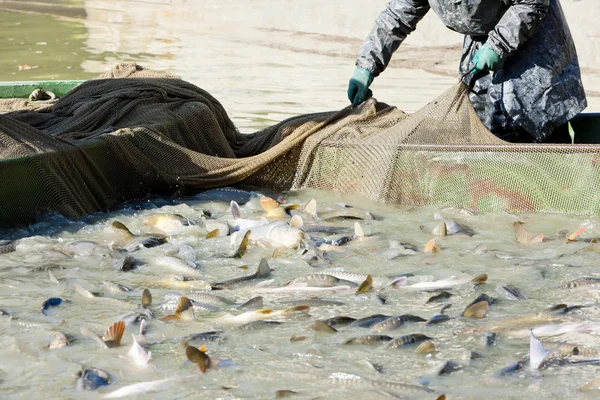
x=263, y=271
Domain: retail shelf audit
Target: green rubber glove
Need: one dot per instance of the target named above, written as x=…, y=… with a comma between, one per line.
x=487, y=59
x=358, y=88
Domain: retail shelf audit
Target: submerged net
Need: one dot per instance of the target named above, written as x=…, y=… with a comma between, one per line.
x=135, y=131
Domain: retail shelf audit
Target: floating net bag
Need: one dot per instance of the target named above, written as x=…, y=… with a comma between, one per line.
x=134, y=131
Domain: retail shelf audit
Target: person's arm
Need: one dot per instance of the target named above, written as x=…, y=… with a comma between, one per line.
x=399, y=18
x=517, y=25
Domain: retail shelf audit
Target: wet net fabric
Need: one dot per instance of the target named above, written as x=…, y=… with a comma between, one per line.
x=134, y=131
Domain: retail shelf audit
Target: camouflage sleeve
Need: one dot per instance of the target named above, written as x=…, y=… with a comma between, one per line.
x=517, y=25
x=399, y=18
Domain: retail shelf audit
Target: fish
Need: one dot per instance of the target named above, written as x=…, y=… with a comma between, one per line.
x=274, y=209
x=513, y=291
x=7, y=246
x=209, y=336
x=370, y=321
x=321, y=280
x=277, y=234
x=177, y=265
x=395, y=322
x=128, y=263
x=585, y=281
x=477, y=310
x=198, y=357
x=367, y=340
x=482, y=297
x=116, y=288
x=437, y=319
x=425, y=347
x=312, y=302
x=448, y=283
x=134, y=242
x=58, y=340
x=51, y=302
x=183, y=312
x=453, y=227
x=511, y=369
x=167, y=223
x=281, y=394
x=439, y=297
x=338, y=322
x=366, y=286
x=400, y=249
x=262, y=314
x=254, y=325
x=92, y=378
x=263, y=271
x=523, y=237
x=448, y=367
x=87, y=248
x=138, y=355
x=320, y=326
x=138, y=388
x=593, y=385
x=226, y=194
x=407, y=340
x=239, y=224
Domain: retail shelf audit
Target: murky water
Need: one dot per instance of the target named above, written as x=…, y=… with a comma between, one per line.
x=265, y=67
x=263, y=360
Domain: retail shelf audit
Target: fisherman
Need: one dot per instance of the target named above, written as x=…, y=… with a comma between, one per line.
x=518, y=56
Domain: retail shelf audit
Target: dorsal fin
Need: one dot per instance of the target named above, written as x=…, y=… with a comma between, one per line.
x=268, y=204
x=121, y=228
x=358, y=231
x=146, y=298
x=366, y=286
x=296, y=221
x=243, y=245
x=213, y=233
x=114, y=334
x=310, y=208
x=254, y=303
x=537, y=352
x=236, y=211
x=264, y=270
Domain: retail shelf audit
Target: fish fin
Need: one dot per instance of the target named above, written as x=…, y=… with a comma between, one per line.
x=52, y=277
x=91, y=335
x=264, y=270
x=121, y=228
x=425, y=347
x=574, y=235
x=442, y=397
x=243, y=245
x=358, y=230
x=437, y=216
x=310, y=208
x=185, y=309
x=143, y=327
x=537, y=352
x=197, y=357
x=296, y=309
x=264, y=311
x=296, y=221
x=268, y=204
x=538, y=239
x=213, y=233
x=114, y=333
x=441, y=229
x=479, y=279
x=83, y=292
x=320, y=326
x=477, y=310
x=252, y=304
x=203, y=348
x=236, y=211
x=146, y=298
x=291, y=207
x=399, y=281
x=366, y=286
x=431, y=247
x=521, y=234
x=275, y=253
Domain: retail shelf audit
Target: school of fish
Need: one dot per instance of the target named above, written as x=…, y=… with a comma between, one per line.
x=237, y=294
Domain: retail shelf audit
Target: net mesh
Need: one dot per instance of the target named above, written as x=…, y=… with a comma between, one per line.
x=134, y=131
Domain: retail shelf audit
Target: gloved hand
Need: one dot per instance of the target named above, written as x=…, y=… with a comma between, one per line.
x=486, y=59
x=358, y=88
